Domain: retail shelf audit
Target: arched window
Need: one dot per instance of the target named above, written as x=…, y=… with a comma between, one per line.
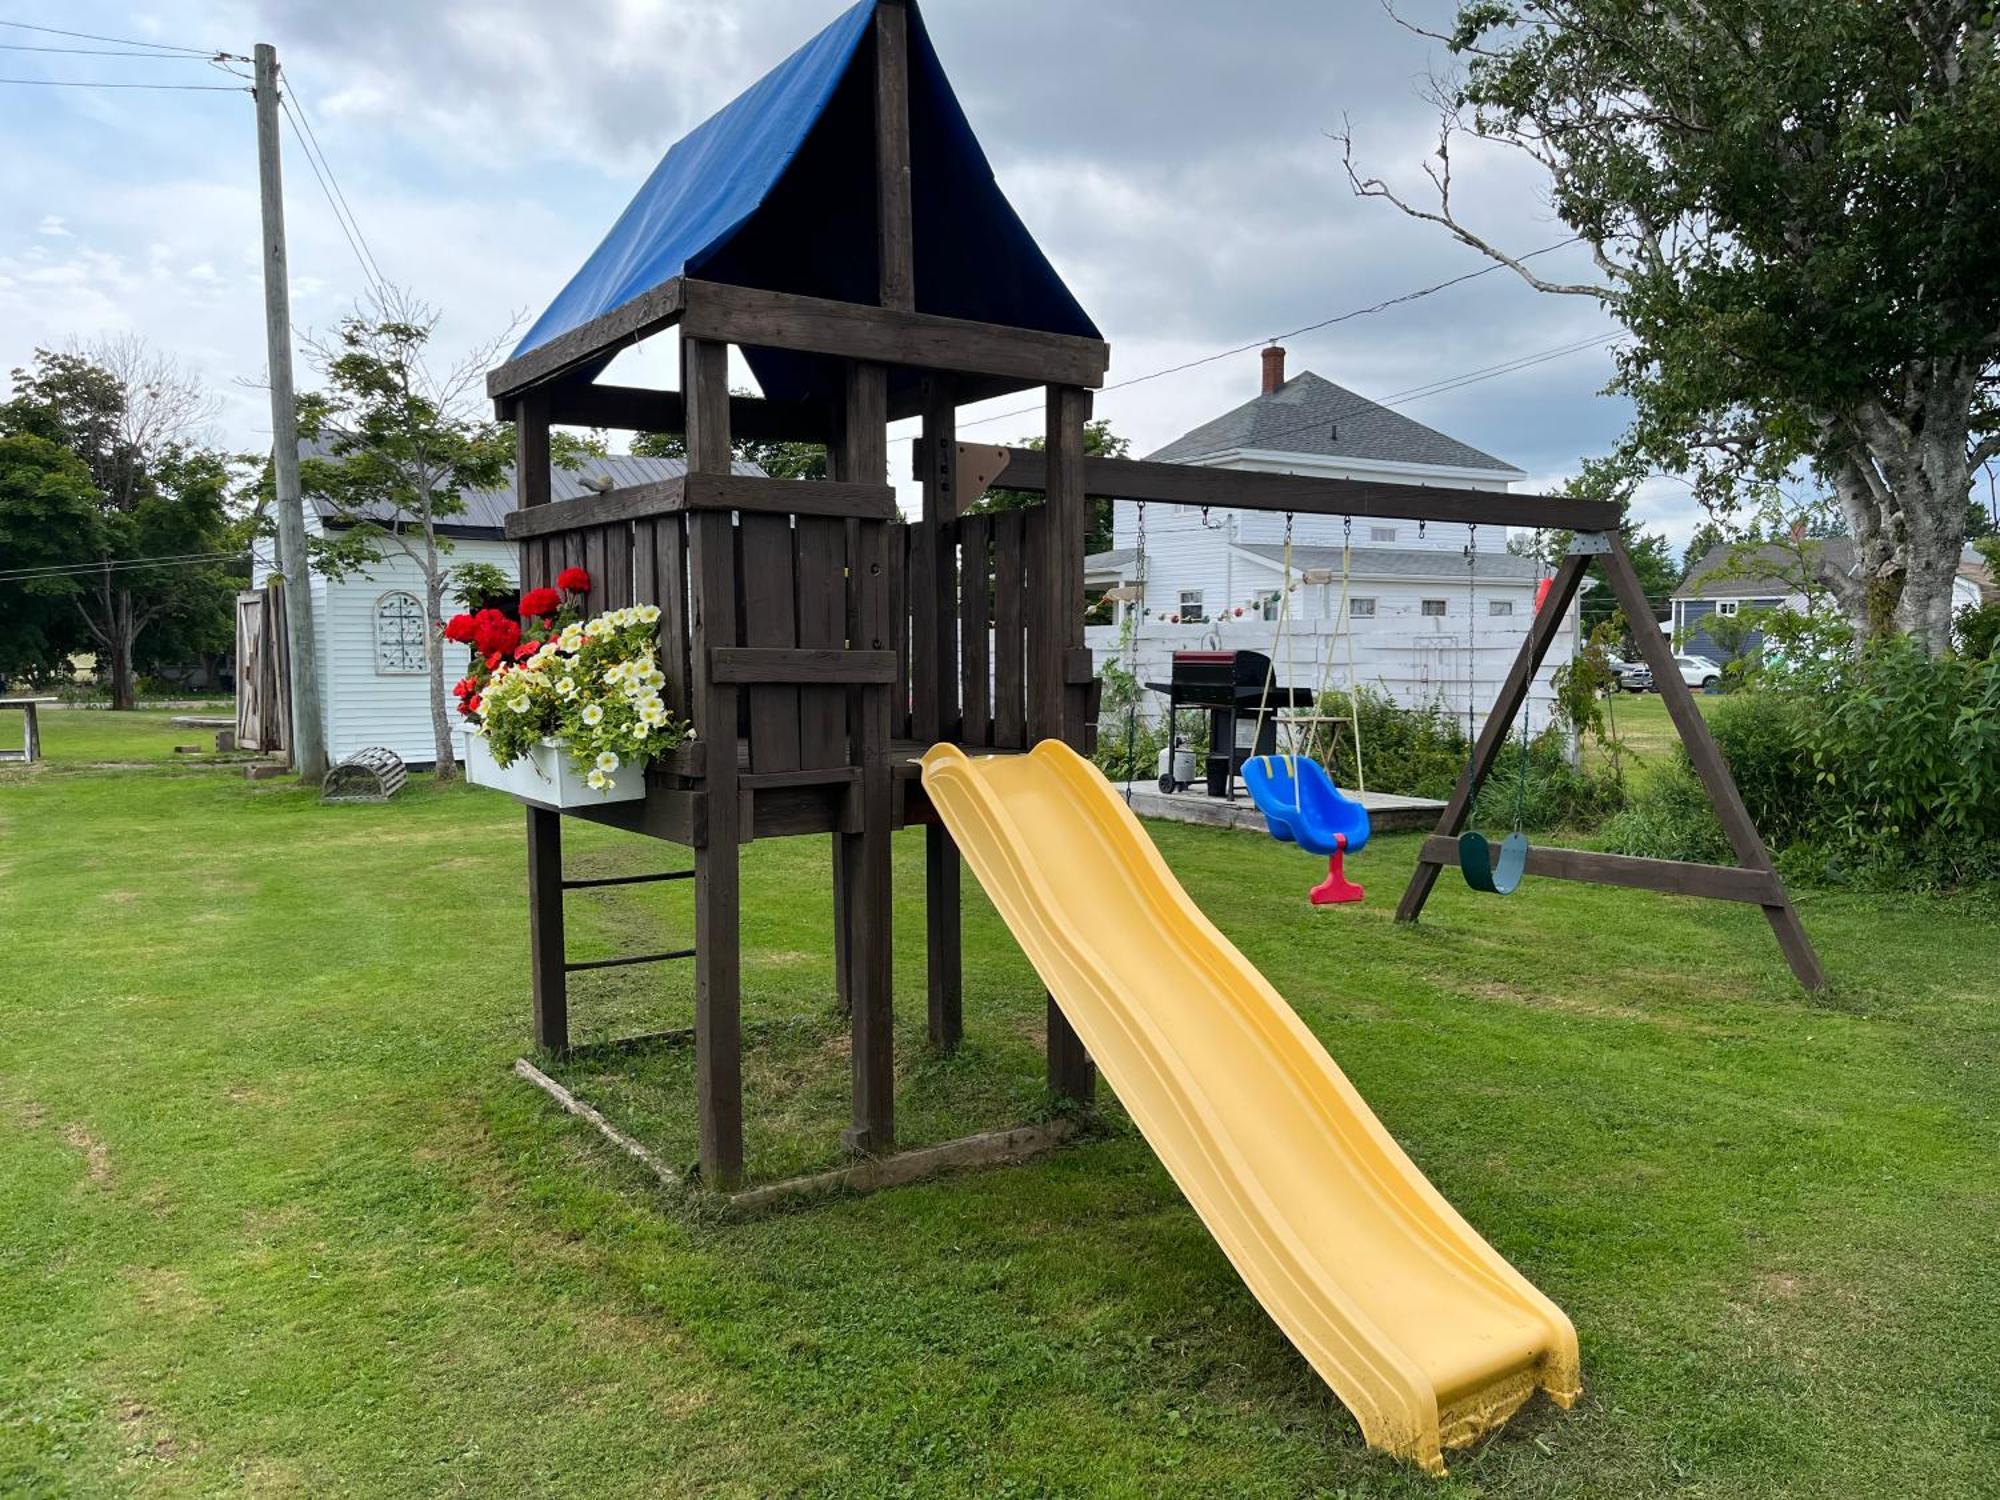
x=400, y=631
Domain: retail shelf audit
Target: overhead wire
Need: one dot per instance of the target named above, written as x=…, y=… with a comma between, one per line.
x=1328, y=322
x=92, y=83
x=295, y=109
x=123, y=41
x=117, y=565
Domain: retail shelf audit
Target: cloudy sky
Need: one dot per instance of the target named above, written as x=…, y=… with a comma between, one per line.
x=1172, y=157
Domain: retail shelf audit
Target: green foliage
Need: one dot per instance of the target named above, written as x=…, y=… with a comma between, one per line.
x=1539, y=790
x=1882, y=766
x=48, y=519
x=478, y=585
x=1977, y=630
x=1099, y=441
x=394, y=452
x=1669, y=817
x=1799, y=225
x=137, y=484
x=1127, y=747
x=1412, y=752
x=781, y=460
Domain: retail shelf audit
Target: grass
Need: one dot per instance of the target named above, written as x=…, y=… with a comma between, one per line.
x=279, y=1220
x=1646, y=735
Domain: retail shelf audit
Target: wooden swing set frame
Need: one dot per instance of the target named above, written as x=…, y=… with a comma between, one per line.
x=816, y=643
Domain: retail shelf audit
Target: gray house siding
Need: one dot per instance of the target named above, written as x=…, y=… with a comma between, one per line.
x=1694, y=638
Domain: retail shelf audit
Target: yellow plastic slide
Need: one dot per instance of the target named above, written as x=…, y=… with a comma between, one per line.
x=1418, y=1325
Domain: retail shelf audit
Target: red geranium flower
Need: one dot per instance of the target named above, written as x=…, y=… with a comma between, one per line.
x=537, y=603
x=526, y=649
x=573, y=581
x=493, y=659
x=461, y=687
x=472, y=704
x=460, y=628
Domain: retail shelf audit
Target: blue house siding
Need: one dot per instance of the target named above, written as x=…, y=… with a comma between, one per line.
x=1694, y=638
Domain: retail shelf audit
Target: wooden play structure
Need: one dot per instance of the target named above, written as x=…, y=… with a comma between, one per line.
x=864, y=264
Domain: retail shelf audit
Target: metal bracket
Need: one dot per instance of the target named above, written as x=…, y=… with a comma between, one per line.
x=1589, y=544
x=978, y=466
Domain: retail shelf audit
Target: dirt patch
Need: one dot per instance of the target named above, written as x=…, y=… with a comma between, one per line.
x=143, y=1437
x=96, y=1155
x=1595, y=1010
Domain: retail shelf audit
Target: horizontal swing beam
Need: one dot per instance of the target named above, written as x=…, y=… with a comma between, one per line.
x=1673, y=877
x=707, y=492
x=1249, y=489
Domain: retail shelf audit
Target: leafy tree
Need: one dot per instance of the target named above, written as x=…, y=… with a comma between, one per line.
x=392, y=450
x=1099, y=441
x=165, y=563
x=1707, y=537
x=779, y=460
x=1796, y=216
x=48, y=520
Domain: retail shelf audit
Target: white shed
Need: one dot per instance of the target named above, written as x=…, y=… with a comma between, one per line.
x=371, y=625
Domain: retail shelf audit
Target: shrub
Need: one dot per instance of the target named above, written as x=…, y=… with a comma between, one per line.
x=1412, y=752
x=1762, y=736
x=1881, y=768
x=1556, y=794
x=1669, y=818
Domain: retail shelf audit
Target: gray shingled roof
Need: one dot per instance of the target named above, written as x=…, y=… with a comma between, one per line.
x=1403, y=562
x=1310, y=415
x=1109, y=562
x=485, y=512
x=1771, y=570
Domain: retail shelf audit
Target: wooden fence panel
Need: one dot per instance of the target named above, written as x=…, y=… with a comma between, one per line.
x=1010, y=694
x=769, y=618
x=821, y=573
x=975, y=625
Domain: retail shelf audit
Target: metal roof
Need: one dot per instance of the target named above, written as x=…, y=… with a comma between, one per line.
x=486, y=511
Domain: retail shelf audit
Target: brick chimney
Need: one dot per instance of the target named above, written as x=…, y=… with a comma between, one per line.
x=1274, y=368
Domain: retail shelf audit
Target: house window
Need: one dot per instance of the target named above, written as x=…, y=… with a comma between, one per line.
x=1727, y=606
x=400, y=631
x=1191, y=610
x=1436, y=608
x=1381, y=533
x=1360, y=609
x=1499, y=606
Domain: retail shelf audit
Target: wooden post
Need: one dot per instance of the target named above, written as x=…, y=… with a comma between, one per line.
x=545, y=929
x=863, y=864
x=718, y=1020
x=1059, y=703
x=1513, y=693
x=1708, y=762
x=934, y=592
x=892, y=151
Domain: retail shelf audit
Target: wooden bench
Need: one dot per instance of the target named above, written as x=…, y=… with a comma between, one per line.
x=31, y=729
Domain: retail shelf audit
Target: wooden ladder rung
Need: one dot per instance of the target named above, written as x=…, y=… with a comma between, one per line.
x=619, y=963
x=603, y=880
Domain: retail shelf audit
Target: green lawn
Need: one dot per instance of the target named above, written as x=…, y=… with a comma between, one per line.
x=77, y=738
x=1645, y=734
x=280, y=1220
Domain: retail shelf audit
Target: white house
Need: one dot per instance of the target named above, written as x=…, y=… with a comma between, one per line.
x=370, y=625
x=1433, y=607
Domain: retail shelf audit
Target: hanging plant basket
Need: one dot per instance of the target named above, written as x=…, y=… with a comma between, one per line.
x=547, y=775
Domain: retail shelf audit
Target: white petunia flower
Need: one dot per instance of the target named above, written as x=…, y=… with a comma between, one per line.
x=649, y=614
x=593, y=715
x=597, y=781
x=566, y=686
x=607, y=761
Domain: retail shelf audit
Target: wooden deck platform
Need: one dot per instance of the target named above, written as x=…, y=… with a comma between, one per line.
x=1386, y=813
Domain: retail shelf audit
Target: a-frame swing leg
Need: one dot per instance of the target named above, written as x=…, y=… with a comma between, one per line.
x=1513, y=693
x=1709, y=764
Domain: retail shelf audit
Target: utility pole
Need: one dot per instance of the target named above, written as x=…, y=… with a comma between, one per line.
x=308, y=728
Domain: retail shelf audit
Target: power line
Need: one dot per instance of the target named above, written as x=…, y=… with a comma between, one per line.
x=327, y=193
x=85, y=83
x=105, y=52
x=295, y=108
x=1358, y=312
x=117, y=565
x=123, y=41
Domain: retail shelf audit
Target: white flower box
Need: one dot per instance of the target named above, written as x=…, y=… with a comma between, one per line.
x=548, y=776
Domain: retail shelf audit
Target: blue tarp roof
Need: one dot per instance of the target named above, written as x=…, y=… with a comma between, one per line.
x=777, y=190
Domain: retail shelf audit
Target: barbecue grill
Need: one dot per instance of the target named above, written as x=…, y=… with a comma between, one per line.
x=1230, y=685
